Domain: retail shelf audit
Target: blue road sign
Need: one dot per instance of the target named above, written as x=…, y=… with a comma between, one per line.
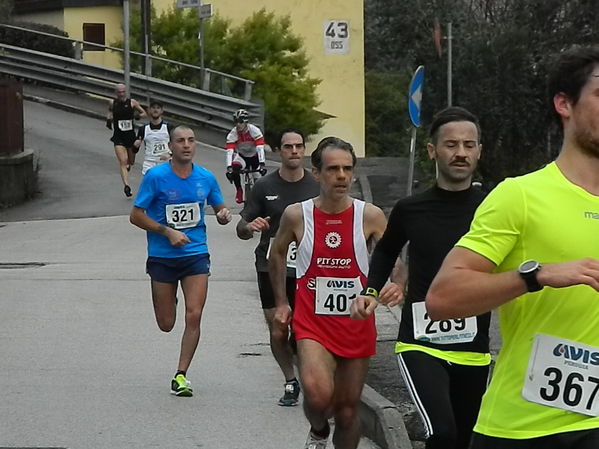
x=415, y=96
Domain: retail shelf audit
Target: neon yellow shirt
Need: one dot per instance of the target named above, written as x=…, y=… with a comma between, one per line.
x=540, y=216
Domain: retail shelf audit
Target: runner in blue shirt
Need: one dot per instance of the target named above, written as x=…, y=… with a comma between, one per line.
x=170, y=207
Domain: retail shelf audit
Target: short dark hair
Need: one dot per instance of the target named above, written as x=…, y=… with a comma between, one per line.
x=331, y=142
x=452, y=114
x=289, y=131
x=175, y=128
x=570, y=71
x=156, y=103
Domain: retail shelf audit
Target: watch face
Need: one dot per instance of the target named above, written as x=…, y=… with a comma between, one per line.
x=528, y=266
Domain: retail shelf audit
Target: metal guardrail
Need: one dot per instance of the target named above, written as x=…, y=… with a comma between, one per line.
x=68, y=73
x=209, y=74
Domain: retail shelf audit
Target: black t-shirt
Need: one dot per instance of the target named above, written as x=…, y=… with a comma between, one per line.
x=269, y=197
x=122, y=110
x=432, y=222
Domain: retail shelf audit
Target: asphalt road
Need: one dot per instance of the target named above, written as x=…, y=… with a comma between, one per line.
x=79, y=171
x=83, y=362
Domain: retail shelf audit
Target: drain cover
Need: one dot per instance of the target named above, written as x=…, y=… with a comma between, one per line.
x=15, y=266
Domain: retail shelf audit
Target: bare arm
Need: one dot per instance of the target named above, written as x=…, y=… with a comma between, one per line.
x=110, y=105
x=139, y=218
x=291, y=221
x=465, y=285
x=139, y=109
x=245, y=230
x=223, y=215
x=363, y=306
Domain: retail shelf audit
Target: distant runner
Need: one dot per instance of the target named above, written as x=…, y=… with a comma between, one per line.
x=121, y=114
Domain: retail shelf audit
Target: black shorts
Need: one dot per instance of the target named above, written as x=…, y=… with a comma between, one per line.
x=580, y=439
x=125, y=140
x=266, y=294
x=171, y=270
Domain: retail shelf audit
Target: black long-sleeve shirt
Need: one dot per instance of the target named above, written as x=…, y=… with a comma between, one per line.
x=432, y=222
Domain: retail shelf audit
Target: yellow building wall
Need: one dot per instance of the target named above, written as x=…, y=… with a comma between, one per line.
x=54, y=18
x=111, y=17
x=341, y=91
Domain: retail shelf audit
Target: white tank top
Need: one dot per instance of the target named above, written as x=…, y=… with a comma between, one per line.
x=155, y=142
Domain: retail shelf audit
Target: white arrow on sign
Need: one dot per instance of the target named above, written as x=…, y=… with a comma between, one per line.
x=417, y=95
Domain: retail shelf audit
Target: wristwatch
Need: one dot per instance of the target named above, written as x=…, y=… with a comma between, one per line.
x=528, y=271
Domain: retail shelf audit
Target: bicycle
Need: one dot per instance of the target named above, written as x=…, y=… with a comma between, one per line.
x=249, y=180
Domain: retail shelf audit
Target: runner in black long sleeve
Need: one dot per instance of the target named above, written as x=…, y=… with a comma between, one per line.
x=445, y=363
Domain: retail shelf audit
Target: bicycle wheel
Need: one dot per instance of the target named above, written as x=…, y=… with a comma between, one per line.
x=249, y=183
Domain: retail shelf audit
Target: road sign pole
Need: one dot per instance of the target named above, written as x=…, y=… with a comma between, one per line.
x=414, y=100
x=412, y=157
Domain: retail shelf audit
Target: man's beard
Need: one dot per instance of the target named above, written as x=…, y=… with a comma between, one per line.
x=587, y=142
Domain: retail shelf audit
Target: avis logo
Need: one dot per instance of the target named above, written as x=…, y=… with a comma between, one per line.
x=341, y=284
x=573, y=353
x=332, y=240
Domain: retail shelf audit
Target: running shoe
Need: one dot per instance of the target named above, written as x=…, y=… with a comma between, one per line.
x=292, y=391
x=127, y=191
x=315, y=443
x=180, y=386
x=239, y=196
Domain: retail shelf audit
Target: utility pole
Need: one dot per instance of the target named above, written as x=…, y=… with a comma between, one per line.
x=449, y=63
x=201, y=42
x=126, y=56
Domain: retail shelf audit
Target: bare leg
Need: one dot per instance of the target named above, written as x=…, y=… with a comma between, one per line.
x=349, y=381
x=195, y=289
x=163, y=297
x=279, y=345
x=122, y=157
x=130, y=157
x=317, y=372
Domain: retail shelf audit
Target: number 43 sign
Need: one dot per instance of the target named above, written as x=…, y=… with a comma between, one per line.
x=336, y=37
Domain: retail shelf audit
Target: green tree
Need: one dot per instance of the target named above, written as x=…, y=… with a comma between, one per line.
x=262, y=49
x=6, y=7
x=501, y=55
x=388, y=125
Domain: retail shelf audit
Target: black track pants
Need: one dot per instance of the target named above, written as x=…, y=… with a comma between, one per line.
x=447, y=395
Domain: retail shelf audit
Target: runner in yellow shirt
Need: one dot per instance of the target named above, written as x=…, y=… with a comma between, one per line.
x=533, y=251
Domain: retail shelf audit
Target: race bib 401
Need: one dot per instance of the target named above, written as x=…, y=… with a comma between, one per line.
x=334, y=296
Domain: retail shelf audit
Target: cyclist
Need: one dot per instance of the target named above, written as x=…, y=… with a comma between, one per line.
x=245, y=149
x=155, y=137
x=121, y=113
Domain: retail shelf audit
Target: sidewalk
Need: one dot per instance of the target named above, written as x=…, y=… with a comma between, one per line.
x=85, y=366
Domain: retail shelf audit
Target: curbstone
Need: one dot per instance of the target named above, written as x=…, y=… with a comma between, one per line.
x=382, y=421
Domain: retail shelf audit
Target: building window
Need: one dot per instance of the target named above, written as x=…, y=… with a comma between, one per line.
x=94, y=32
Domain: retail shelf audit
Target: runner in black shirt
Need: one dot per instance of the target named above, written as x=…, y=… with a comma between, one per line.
x=121, y=113
x=444, y=364
x=262, y=213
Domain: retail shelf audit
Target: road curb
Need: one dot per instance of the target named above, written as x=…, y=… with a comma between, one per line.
x=382, y=421
x=64, y=106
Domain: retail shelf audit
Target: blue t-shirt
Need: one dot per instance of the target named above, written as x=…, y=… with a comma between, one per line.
x=179, y=203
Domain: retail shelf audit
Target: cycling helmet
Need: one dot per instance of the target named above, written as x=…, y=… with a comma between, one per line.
x=241, y=116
